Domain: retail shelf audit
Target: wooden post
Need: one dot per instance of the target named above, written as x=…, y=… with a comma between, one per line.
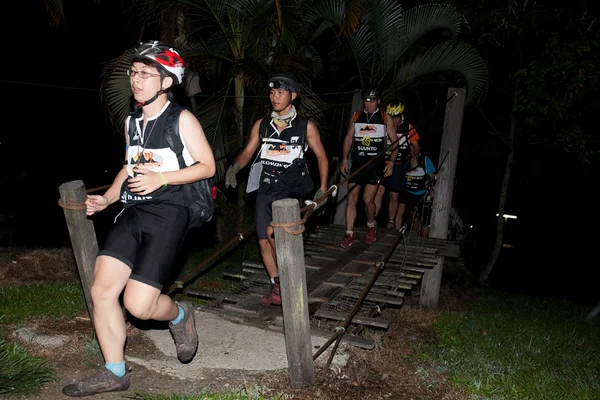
x=340, y=211
x=82, y=234
x=444, y=188
x=294, y=296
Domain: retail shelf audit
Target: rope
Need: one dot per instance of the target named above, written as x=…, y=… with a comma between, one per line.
x=287, y=225
x=77, y=205
x=71, y=206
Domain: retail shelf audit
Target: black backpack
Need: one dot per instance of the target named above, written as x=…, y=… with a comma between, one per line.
x=201, y=195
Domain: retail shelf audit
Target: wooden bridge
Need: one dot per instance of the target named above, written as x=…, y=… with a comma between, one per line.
x=336, y=278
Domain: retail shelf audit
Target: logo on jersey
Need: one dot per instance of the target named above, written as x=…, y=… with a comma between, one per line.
x=366, y=129
x=277, y=150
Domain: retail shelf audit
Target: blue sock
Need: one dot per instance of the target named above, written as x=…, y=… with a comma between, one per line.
x=179, y=316
x=117, y=369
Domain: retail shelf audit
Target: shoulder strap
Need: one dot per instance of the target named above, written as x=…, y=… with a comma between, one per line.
x=172, y=133
x=262, y=129
x=131, y=128
x=304, y=129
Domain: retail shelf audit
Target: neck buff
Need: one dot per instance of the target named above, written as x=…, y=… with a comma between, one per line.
x=283, y=121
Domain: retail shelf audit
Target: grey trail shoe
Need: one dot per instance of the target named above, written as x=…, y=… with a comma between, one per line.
x=102, y=381
x=184, y=333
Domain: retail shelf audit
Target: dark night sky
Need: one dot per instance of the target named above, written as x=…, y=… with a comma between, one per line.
x=56, y=131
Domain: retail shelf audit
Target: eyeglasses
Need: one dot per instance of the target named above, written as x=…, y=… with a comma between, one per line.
x=142, y=74
x=370, y=99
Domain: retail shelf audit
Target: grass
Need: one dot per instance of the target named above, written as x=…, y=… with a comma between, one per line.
x=20, y=373
x=498, y=345
x=510, y=346
x=246, y=394
x=18, y=303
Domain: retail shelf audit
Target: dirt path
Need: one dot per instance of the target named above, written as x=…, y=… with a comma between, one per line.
x=385, y=372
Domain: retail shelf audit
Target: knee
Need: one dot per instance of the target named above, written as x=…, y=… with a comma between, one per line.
x=101, y=293
x=270, y=233
x=394, y=197
x=264, y=245
x=140, y=310
x=352, y=197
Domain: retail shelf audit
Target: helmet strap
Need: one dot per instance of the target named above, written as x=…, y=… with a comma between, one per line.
x=149, y=101
x=145, y=103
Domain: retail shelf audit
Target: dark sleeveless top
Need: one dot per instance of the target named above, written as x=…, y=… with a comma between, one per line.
x=149, y=148
x=279, y=149
x=369, y=137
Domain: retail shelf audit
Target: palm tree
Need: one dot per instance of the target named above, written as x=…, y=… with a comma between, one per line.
x=394, y=48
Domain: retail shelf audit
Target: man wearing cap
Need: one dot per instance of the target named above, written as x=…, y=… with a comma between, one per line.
x=366, y=137
x=283, y=139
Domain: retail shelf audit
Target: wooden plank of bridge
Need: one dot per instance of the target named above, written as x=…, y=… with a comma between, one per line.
x=337, y=316
x=316, y=277
x=333, y=272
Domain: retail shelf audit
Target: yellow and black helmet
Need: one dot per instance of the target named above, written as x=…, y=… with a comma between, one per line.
x=395, y=109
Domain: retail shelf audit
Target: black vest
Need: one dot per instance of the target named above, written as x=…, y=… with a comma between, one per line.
x=150, y=149
x=370, y=132
x=402, y=132
x=279, y=149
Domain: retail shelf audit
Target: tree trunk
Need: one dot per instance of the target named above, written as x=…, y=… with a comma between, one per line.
x=239, y=120
x=487, y=270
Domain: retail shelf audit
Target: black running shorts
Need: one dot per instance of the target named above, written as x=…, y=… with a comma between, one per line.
x=148, y=237
x=264, y=213
x=395, y=182
x=371, y=174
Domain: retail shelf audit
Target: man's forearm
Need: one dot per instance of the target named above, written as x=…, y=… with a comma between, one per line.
x=416, y=149
x=242, y=160
x=346, y=149
x=323, y=172
x=394, y=154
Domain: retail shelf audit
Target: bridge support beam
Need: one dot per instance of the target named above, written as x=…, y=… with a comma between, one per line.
x=83, y=236
x=294, y=295
x=444, y=190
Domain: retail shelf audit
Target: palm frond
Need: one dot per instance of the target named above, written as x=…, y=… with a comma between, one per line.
x=55, y=12
x=352, y=15
x=211, y=116
x=247, y=9
x=387, y=23
x=313, y=56
x=361, y=45
x=317, y=31
x=328, y=10
x=290, y=29
x=423, y=19
x=460, y=58
x=115, y=90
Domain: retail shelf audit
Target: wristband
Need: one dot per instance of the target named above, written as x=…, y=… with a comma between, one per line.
x=163, y=178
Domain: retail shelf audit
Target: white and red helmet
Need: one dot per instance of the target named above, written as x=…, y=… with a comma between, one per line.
x=166, y=57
